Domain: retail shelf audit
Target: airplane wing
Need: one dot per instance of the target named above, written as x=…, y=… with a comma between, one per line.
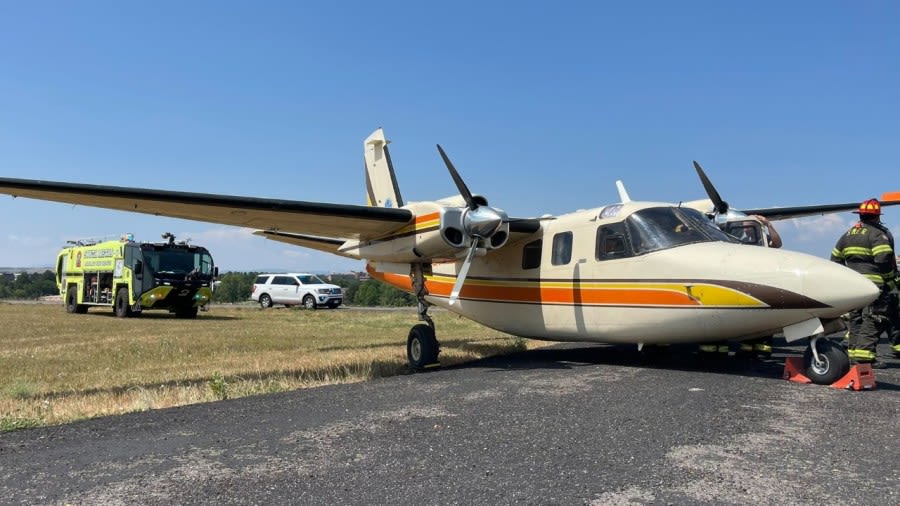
x=783, y=213
x=320, y=220
x=325, y=244
x=718, y=206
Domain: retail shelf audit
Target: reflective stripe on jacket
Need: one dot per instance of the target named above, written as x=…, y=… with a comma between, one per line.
x=867, y=248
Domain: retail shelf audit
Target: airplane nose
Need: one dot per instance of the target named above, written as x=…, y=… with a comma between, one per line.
x=840, y=287
x=830, y=289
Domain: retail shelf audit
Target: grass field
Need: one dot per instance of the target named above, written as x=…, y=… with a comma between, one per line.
x=57, y=367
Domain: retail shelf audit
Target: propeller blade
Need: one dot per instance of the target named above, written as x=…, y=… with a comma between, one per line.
x=461, y=277
x=460, y=184
x=720, y=205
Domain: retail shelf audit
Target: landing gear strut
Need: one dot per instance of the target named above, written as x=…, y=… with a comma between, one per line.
x=422, y=346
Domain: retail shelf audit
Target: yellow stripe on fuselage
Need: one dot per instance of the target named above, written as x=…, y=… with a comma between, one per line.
x=632, y=293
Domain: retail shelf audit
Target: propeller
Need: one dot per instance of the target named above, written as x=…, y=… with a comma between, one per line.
x=720, y=206
x=480, y=222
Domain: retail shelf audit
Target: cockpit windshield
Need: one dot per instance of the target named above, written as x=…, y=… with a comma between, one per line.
x=659, y=228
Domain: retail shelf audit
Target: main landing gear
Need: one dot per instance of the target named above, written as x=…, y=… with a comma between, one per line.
x=422, y=346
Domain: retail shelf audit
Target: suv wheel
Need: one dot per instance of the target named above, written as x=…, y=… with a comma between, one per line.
x=265, y=301
x=309, y=302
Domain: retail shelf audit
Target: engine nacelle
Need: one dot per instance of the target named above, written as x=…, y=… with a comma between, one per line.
x=439, y=233
x=454, y=230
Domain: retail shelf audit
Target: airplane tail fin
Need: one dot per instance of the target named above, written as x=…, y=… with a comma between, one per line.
x=381, y=183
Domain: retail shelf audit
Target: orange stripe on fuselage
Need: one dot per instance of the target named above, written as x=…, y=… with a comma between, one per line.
x=424, y=223
x=427, y=217
x=533, y=293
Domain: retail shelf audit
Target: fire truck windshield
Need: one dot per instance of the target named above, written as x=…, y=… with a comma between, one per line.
x=178, y=261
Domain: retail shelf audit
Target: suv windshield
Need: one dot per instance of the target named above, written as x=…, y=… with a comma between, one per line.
x=659, y=228
x=309, y=279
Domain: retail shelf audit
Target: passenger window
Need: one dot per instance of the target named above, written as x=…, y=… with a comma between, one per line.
x=531, y=255
x=261, y=280
x=562, y=248
x=611, y=242
x=283, y=280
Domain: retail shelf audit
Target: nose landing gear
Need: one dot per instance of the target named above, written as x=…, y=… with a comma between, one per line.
x=825, y=361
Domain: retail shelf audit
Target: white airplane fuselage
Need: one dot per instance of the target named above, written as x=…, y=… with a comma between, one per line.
x=705, y=291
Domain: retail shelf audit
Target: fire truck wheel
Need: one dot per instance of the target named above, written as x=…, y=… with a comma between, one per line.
x=188, y=312
x=122, y=308
x=72, y=305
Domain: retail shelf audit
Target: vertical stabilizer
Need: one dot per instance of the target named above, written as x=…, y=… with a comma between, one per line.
x=381, y=183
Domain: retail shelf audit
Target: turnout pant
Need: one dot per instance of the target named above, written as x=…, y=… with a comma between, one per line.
x=866, y=326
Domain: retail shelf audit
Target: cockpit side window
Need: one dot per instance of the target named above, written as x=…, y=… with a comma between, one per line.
x=748, y=232
x=531, y=255
x=562, y=248
x=611, y=242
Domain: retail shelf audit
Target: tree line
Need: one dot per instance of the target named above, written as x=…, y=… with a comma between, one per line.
x=232, y=287
x=28, y=285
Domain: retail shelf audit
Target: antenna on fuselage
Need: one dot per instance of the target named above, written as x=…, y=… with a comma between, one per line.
x=623, y=195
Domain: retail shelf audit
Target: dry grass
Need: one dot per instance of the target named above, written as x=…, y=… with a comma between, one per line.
x=56, y=367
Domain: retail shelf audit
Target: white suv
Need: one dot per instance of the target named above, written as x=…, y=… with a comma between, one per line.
x=292, y=289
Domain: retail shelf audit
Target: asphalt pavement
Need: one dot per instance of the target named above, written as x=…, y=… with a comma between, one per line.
x=571, y=424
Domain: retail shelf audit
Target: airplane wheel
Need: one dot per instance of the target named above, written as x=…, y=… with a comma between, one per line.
x=422, y=347
x=834, y=362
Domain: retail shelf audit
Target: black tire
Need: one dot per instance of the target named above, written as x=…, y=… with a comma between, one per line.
x=71, y=301
x=834, y=362
x=72, y=305
x=189, y=312
x=265, y=301
x=122, y=307
x=422, y=347
x=309, y=302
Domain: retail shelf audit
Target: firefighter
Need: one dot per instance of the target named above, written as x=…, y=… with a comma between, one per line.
x=868, y=248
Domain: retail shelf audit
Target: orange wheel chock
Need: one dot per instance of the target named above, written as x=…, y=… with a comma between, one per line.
x=860, y=377
x=793, y=370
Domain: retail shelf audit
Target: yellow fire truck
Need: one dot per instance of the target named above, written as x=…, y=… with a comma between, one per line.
x=130, y=277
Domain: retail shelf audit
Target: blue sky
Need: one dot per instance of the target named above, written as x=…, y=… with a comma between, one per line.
x=540, y=106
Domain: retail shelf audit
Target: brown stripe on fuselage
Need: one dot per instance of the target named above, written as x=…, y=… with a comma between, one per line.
x=530, y=291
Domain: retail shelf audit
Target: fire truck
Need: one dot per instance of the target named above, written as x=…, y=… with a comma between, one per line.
x=130, y=277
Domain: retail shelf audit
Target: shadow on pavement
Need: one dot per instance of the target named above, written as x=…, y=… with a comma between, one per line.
x=675, y=357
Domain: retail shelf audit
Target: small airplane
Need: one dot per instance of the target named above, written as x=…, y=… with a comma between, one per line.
x=644, y=273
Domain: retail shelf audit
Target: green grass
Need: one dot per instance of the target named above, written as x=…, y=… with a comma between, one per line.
x=57, y=367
